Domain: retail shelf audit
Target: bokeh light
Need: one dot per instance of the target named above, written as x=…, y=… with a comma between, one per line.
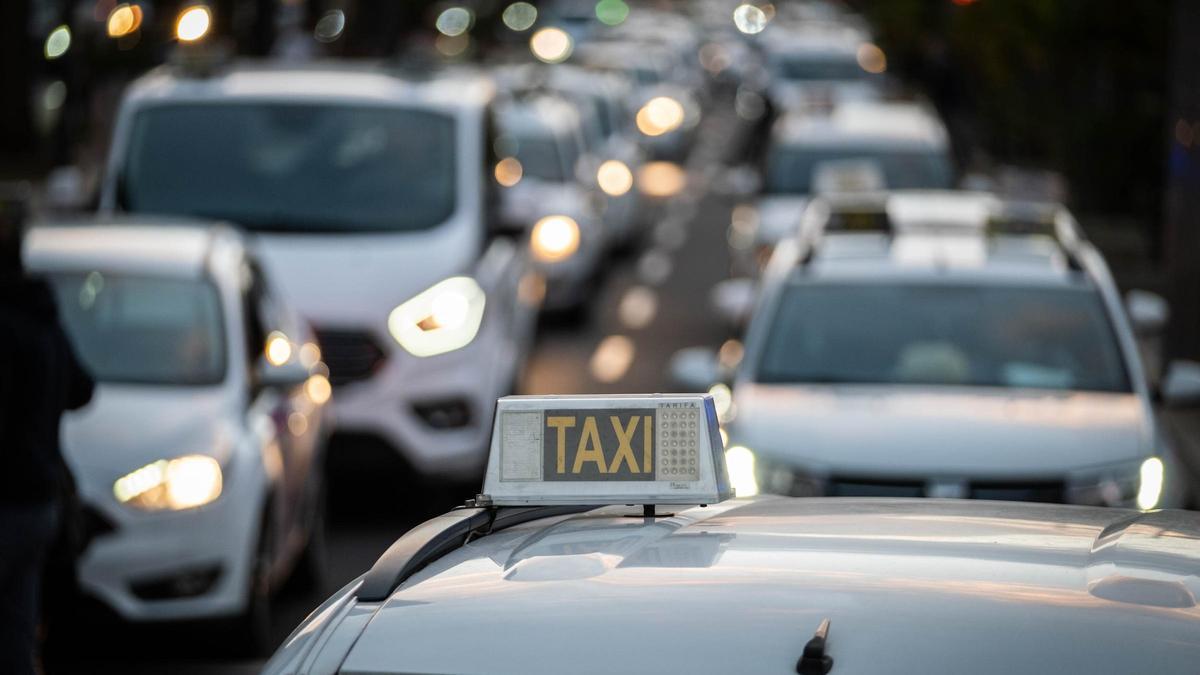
x=614, y=178
x=554, y=238
x=509, y=171
x=193, y=23
x=330, y=26
x=612, y=12
x=661, y=179
x=519, y=16
x=454, y=21
x=58, y=42
x=123, y=20
x=749, y=19
x=660, y=115
x=551, y=45
x=452, y=45
x=871, y=58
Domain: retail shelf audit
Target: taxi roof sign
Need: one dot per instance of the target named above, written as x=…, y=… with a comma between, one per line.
x=625, y=449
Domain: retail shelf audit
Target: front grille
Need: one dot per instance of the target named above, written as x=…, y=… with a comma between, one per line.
x=351, y=355
x=853, y=487
x=1045, y=492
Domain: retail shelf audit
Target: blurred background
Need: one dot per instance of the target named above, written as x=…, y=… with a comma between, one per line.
x=627, y=136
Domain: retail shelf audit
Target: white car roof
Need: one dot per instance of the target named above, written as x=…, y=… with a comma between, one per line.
x=315, y=81
x=538, y=115
x=867, y=122
x=917, y=586
x=159, y=246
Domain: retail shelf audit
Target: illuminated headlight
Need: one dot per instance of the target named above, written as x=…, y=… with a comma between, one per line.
x=614, y=177
x=740, y=463
x=554, y=238
x=1150, y=483
x=660, y=115
x=171, y=485
x=441, y=319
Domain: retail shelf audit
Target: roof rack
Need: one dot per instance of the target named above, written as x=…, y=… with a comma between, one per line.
x=868, y=212
x=438, y=536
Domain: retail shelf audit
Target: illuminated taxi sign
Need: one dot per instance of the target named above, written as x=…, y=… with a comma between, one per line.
x=631, y=449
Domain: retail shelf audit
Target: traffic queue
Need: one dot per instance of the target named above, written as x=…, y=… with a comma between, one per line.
x=292, y=252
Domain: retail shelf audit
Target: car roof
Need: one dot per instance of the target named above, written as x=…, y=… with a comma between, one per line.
x=538, y=115
x=162, y=246
x=867, y=122
x=942, y=236
x=970, y=586
x=256, y=80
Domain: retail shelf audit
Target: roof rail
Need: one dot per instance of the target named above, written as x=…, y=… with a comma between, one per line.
x=439, y=535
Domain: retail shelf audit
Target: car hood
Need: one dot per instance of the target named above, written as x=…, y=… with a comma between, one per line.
x=778, y=217
x=943, y=586
x=357, y=279
x=939, y=431
x=125, y=427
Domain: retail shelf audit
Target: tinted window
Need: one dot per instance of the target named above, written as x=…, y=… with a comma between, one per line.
x=293, y=167
x=790, y=169
x=541, y=157
x=809, y=68
x=145, y=330
x=1043, y=338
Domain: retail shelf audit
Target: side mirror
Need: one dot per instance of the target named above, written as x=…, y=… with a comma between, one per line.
x=286, y=376
x=1181, y=386
x=695, y=368
x=66, y=189
x=1148, y=312
x=733, y=300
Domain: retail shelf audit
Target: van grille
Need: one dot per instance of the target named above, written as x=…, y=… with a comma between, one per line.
x=351, y=355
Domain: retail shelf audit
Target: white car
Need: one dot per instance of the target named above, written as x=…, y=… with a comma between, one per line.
x=856, y=147
x=821, y=64
x=200, y=458
x=949, y=344
x=370, y=198
x=621, y=574
x=541, y=145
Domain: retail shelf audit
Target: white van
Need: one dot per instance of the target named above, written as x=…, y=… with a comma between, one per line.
x=367, y=194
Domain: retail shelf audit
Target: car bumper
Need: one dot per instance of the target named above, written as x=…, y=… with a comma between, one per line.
x=190, y=564
x=436, y=412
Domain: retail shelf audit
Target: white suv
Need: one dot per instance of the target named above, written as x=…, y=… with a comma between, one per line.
x=368, y=195
x=951, y=345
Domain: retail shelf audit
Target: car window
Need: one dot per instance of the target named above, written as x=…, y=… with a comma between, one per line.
x=144, y=329
x=818, y=68
x=293, y=167
x=998, y=336
x=790, y=169
x=542, y=157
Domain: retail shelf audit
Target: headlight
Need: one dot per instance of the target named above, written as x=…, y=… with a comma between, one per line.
x=182, y=483
x=554, y=238
x=441, y=319
x=740, y=463
x=660, y=115
x=1150, y=484
x=614, y=177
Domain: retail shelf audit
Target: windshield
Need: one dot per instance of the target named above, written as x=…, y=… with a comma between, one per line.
x=818, y=68
x=293, y=167
x=142, y=329
x=542, y=157
x=790, y=169
x=994, y=336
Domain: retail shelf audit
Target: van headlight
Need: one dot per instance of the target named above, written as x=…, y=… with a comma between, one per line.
x=171, y=484
x=740, y=462
x=444, y=317
x=1150, y=483
x=554, y=238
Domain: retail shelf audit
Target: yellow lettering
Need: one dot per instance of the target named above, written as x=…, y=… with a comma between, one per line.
x=647, y=444
x=562, y=424
x=624, y=450
x=589, y=447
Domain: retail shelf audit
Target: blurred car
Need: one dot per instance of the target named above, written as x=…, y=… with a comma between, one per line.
x=821, y=64
x=200, y=458
x=369, y=196
x=858, y=147
x=947, y=344
x=612, y=158
x=665, y=98
x=541, y=146
x=758, y=585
